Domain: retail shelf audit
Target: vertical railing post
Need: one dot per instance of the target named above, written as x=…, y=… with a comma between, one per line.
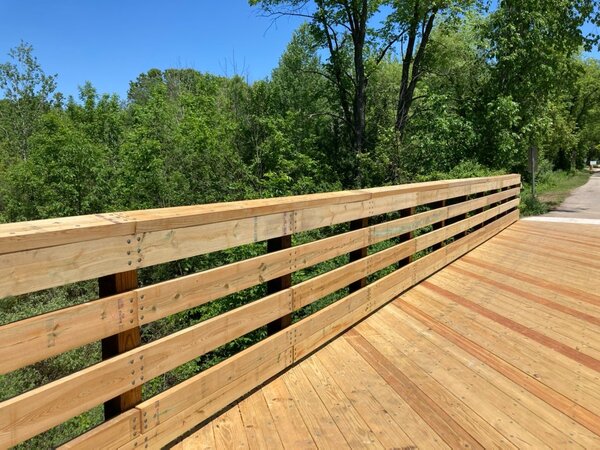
x=406, y=237
x=438, y=225
x=279, y=283
x=120, y=342
x=355, y=255
x=458, y=218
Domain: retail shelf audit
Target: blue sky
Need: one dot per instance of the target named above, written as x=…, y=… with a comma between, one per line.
x=110, y=42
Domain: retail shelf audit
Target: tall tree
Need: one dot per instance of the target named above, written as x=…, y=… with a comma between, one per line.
x=357, y=35
x=533, y=43
x=28, y=91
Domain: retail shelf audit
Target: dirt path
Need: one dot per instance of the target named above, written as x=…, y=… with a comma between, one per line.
x=583, y=203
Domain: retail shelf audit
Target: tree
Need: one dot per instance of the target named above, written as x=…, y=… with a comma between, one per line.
x=532, y=48
x=28, y=90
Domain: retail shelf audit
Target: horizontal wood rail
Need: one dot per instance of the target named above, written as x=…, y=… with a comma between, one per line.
x=460, y=215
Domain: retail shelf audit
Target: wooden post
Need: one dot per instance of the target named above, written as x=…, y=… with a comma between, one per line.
x=406, y=237
x=480, y=210
x=438, y=225
x=121, y=342
x=280, y=283
x=355, y=255
x=458, y=218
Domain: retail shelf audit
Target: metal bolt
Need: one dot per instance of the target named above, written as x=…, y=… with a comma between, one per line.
x=139, y=259
x=139, y=250
x=142, y=377
x=133, y=382
x=130, y=320
x=145, y=413
x=129, y=262
x=131, y=361
x=142, y=317
x=141, y=356
x=130, y=311
x=142, y=308
x=129, y=241
x=139, y=239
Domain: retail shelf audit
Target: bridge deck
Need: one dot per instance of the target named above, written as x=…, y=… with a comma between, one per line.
x=501, y=348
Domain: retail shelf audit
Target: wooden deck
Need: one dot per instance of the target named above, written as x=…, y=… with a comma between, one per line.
x=499, y=349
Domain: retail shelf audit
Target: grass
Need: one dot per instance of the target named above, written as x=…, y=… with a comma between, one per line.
x=551, y=191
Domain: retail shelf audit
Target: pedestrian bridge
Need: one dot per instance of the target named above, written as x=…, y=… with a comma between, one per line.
x=454, y=323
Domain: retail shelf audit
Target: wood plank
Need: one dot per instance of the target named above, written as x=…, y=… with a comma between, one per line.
x=574, y=354
x=40, y=337
x=203, y=439
x=550, y=396
x=563, y=323
x=188, y=418
x=197, y=389
x=286, y=416
x=321, y=425
x=19, y=236
x=32, y=270
x=573, y=305
x=558, y=372
x=348, y=420
x=260, y=428
x=537, y=408
x=110, y=434
x=394, y=422
x=26, y=415
x=515, y=423
x=229, y=431
x=430, y=411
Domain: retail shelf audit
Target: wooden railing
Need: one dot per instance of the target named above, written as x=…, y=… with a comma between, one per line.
x=459, y=214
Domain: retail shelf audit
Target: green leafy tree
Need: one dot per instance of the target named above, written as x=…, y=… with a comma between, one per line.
x=27, y=92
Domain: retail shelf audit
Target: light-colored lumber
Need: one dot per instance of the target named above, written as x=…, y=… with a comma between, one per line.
x=286, y=416
x=40, y=337
x=400, y=425
x=27, y=415
x=229, y=431
x=321, y=425
x=499, y=410
x=520, y=398
x=35, y=269
x=109, y=435
x=185, y=419
x=352, y=425
x=31, y=341
x=261, y=431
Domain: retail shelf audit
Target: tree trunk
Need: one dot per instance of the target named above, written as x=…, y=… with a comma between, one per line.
x=412, y=69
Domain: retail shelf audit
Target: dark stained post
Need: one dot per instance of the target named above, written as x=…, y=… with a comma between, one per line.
x=480, y=210
x=406, y=237
x=280, y=283
x=355, y=255
x=459, y=217
x=121, y=342
x=438, y=225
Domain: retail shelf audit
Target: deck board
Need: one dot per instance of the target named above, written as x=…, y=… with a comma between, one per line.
x=499, y=349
